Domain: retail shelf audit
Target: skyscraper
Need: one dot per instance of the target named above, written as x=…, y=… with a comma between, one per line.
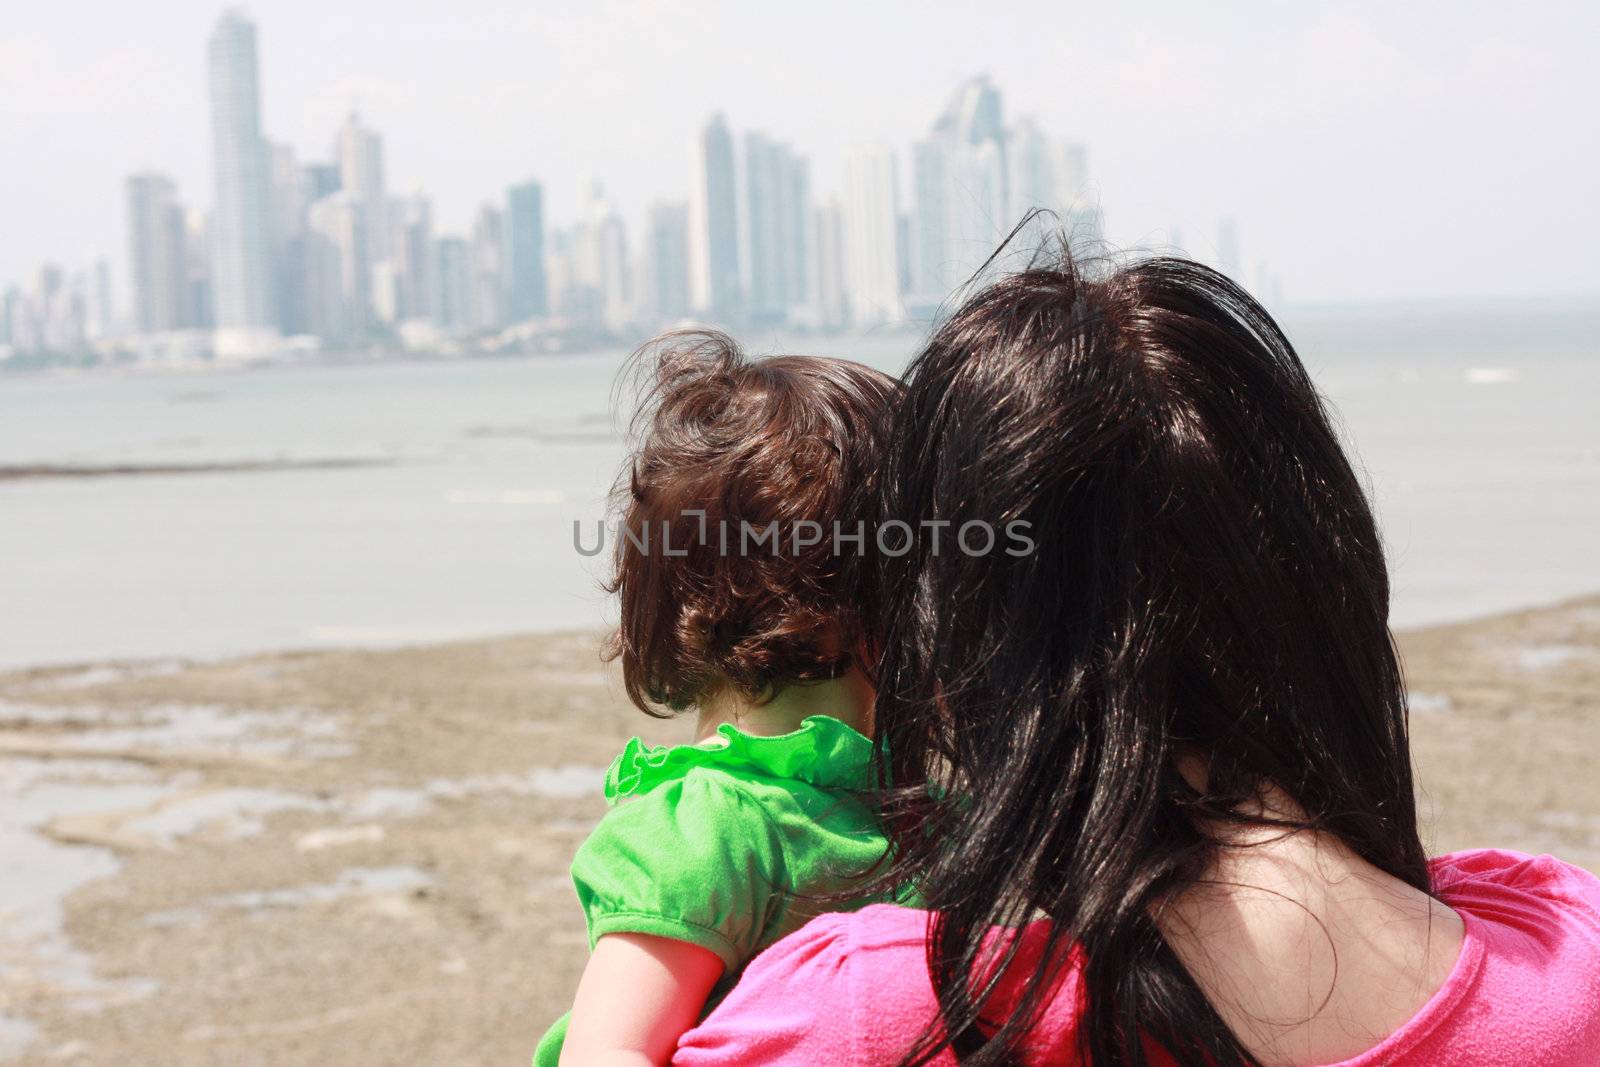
x=359, y=150
x=157, y=271
x=527, y=293
x=102, y=317
x=714, y=225
x=411, y=250
x=337, y=269
x=488, y=281
x=961, y=208
x=320, y=179
x=1228, y=259
x=666, y=262
x=242, y=224
x=589, y=272
x=453, y=308
x=777, y=207
x=871, y=252
x=832, y=304
x=1052, y=175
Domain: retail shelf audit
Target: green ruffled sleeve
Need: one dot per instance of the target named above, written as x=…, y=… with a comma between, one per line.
x=694, y=859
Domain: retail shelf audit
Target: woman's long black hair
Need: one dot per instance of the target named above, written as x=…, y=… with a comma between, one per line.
x=1207, y=577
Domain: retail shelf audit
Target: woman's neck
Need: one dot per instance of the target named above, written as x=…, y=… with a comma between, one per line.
x=1310, y=953
x=848, y=698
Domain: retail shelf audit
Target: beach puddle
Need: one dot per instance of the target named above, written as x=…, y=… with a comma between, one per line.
x=206, y=729
x=234, y=731
x=1429, y=703
x=36, y=957
x=105, y=674
x=567, y=782
x=355, y=881
x=232, y=813
x=1547, y=657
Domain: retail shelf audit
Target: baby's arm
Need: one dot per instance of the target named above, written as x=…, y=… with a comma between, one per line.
x=639, y=993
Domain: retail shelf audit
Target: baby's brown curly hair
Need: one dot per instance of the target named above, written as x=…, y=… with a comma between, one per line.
x=791, y=440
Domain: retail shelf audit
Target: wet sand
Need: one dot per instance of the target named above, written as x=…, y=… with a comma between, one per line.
x=360, y=857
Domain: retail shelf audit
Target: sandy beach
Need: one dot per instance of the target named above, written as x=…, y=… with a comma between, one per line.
x=360, y=857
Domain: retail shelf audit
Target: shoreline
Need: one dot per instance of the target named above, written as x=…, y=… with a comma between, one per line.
x=360, y=855
x=555, y=631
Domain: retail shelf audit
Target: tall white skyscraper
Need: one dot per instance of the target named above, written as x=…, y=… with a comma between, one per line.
x=360, y=158
x=714, y=273
x=603, y=259
x=157, y=269
x=961, y=209
x=412, y=253
x=242, y=222
x=359, y=150
x=831, y=303
x=871, y=224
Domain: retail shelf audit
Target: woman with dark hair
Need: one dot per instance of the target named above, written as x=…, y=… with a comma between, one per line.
x=1152, y=778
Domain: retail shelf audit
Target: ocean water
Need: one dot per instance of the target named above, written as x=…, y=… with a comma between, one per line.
x=1476, y=424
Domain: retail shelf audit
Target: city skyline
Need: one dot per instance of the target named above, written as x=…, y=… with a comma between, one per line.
x=298, y=256
x=1449, y=135
x=1412, y=126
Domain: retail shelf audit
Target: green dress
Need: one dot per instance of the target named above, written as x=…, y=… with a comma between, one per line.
x=721, y=838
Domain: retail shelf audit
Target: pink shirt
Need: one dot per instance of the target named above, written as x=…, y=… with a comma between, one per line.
x=853, y=989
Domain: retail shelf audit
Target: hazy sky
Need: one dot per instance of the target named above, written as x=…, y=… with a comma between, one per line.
x=1391, y=149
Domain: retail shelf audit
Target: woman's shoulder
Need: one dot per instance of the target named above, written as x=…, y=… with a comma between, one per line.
x=806, y=1000
x=1526, y=988
x=1483, y=875
x=854, y=989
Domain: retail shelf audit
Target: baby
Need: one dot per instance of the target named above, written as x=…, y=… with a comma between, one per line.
x=747, y=523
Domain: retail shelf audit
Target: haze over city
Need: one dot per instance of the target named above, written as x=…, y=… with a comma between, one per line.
x=1458, y=145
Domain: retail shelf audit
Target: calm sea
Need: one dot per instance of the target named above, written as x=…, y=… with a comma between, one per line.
x=1478, y=425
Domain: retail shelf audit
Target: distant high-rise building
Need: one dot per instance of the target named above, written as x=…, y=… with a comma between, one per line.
x=10, y=317
x=575, y=279
x=714, y=225
x=199, y=250
x=242, y=266
x=360, y=154
x=321, y=179
x=777, y=207
x=527, y=290
x=290, y=199
x=411, y=250
x=871, y=259
x=452, y=311
x=102, y=318
x=157, y=268
x=666, y=264
x=832, y=303
x=589, y=272
x=1050, y=176
x=339, y=278
x=1228, y=259
x=488, y=255
x=960, y=191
